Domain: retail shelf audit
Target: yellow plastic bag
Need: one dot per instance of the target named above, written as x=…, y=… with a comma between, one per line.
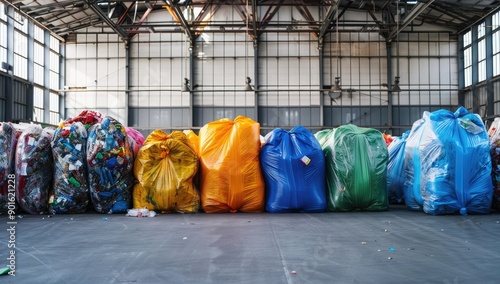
x=165, y=167
x=194, y=139
x=231, y=179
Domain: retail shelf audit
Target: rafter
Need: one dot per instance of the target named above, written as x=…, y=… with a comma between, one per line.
x=93, y=6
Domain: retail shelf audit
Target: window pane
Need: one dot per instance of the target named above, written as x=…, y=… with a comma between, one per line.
x=3, y=34
x=38, y=114
x=2, y=12
x=20, y=22
x=468, y=76
x=20, y=44
x=481, y=50
x=20, y=67
x=496, y=20
x=480, y=30
x=38, y=97
x=54, y=118
x=54, y=44
x=38, y=54
x=54, y=61
x=467, y=38
x=54, y=102
x=54, y=81
x=468, y=57
x=38, y=34
x=481, y=71
x=496, y=64
x=496, y=42
x=38, y=74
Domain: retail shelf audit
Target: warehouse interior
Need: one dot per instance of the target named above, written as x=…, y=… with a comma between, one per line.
x=132, y=60
x=183, y=64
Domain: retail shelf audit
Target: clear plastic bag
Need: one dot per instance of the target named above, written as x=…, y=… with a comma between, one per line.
x=34, y=169
x=110, y=163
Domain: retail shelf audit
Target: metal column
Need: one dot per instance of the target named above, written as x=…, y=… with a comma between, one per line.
x=321, y=82
x=490, y=109
x=127, y=82
x=256, y=76
x=389, y=86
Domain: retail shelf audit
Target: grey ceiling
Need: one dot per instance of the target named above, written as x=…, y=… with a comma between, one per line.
x=128, y=18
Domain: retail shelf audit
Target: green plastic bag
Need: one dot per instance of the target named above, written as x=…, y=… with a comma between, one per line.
x=356, y=167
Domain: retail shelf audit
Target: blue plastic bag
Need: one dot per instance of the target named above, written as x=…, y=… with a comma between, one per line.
x=448, y=165
x=293, y=166
x=395, y=169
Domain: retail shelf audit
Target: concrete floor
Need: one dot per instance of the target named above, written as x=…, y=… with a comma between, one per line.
x=396, y=246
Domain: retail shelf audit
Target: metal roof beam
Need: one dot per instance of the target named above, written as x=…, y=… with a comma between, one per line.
x=177, y=14
x=331, y=14
x=304, y=11
x=94, y=7
x=414, y=13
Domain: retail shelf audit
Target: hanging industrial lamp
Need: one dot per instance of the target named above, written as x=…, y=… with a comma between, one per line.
x=248, y=87
x=335, y=91
x=395, y=87
x=185, y=86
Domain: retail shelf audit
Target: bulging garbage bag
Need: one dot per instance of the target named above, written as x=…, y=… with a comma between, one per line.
x=70, y=192
x=7, y=155
x=110, y=163
x=165, y=167
x=448, y=164
x=231, y=177
x=356, y=168
x=293, y=166
x=34, y=169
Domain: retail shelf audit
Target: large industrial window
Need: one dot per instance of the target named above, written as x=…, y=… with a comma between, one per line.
x=481, y=52
x=54, y=63
x=467, y=38
x=38, y=55
x=496, y=43
x=20, y=47
x=3, y=35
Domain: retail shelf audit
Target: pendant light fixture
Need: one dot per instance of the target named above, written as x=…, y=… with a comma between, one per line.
x=335, y=91
x=395, y=87
x=248, y=87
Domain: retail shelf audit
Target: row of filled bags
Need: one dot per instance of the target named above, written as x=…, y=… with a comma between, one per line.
x=86, y=158
x=441, y=166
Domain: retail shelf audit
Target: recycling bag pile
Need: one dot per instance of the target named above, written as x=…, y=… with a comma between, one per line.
x=70, y=190
x=446, y=164
x=110, y=166
x=34, y=169
x=494, y=135
x=7, y=146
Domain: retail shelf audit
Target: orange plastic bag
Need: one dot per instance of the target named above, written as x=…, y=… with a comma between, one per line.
x=194, y=139
x=165, y=167
x=231, y=179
